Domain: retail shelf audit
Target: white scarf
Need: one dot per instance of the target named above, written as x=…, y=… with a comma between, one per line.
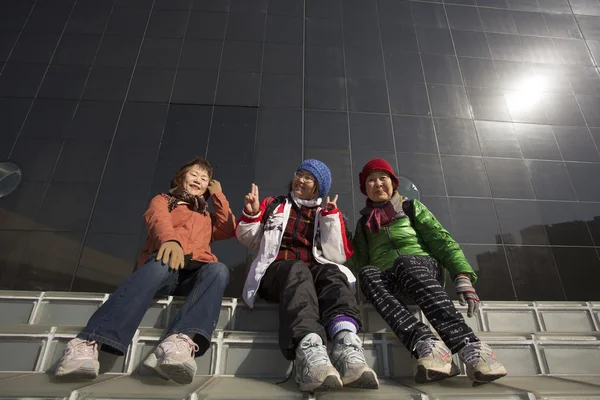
x=306, y=203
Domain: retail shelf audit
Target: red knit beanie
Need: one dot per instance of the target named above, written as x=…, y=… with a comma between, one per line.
x=376, y=164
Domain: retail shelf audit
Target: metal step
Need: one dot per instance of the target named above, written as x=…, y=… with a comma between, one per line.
x=205, y=387
x=551, y=350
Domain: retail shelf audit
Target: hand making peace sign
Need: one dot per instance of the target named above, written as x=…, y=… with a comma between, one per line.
x=252, y=201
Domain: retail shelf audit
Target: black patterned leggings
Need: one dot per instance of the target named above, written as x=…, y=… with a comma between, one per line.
x=412, y=276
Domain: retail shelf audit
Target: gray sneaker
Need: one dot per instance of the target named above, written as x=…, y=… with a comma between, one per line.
x=435, y=361
x=314, y=372
x=79, y=360
x=349, y=359
x=173, y=358
x=482, y=364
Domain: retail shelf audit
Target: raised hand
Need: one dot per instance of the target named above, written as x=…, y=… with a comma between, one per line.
x=331, y=205
x=252, y=201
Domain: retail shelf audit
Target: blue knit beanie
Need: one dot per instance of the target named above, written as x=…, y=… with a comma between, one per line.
x=321, y=173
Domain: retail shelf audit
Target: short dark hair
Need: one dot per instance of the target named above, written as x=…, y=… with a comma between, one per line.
x=200, y=162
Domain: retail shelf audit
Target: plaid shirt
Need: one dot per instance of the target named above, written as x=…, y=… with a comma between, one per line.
x=297, y=241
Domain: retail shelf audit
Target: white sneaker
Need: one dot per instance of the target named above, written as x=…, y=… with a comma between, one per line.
x=349, y=359
x=173, y=358
x=434, y=362
x=80, y=359
x=314, y=371
x=481, y=362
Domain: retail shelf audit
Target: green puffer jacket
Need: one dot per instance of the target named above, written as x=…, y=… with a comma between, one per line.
x=426, y=238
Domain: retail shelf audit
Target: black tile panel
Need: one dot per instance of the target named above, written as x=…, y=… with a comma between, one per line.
x=563, y=224
x=64, y=82
x=75, y=49
x=159, y=52
x=488, y=104
x=19, y=210
x=537, y=141
x=431, y=15
x=327, y=130
x=201, y=54
x=489, y=262
x=579, y=283
x=466, y=18
x=320, y=130
x=142, y=122
x=241, y=56
x=423, y=169
x=474, y=221
x=465, y=176
x=194, y=86
x=325, y=93
x=7, y=41
x=441, y=69
x=35, y=47
x=285, y=7
x=56, y=214
x=107, y=83
x=81, y=161
x=371, y=132
x=534, y=273
x=151, y=85
x=435, y=41
x=321, y=31
x=281, y=91
x=211, y=5
x=457, y=137
x=590, y=107
x=36, y=157
x=282, y=58
x=471, y=44
x=324, y=61
x=509, y=178
x=120, y=208
x=284, y=28
x=400, y=38
x=248, y=27
x=403, y=67
x=583, y=177
x=238, y=88
x=530, y=23
x=414, y=134
x=207, y=25
x=521, y=222
x=49, y=261
x=49, y=118
x=12, y=115
x=131, y=163
x=94, y=121
x=550, y=180
x=118, y=51
x=408, y=98
x=128, y=22
x=167, y=24
x=395, y=12
x=49, y=18
x=90, y=20
x=449, y=101
x=576, y=144
x=248, y=6
x=367, y=95
x=440, y=208
x=497, y=21
x=12, y=249
x=562, y=26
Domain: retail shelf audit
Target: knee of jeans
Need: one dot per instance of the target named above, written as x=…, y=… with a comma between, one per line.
x=155, y=268
x=220, y=272
x=300, y=269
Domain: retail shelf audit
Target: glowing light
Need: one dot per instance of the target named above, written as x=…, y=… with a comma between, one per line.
x=527, y=94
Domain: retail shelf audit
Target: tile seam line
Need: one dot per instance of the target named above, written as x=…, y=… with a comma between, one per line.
x=112, y=142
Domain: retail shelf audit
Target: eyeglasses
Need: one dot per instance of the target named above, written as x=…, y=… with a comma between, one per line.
x=306, y=177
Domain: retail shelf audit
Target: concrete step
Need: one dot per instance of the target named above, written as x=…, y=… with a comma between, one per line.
x=205, y=387
x=29, y=348
x=74, y=309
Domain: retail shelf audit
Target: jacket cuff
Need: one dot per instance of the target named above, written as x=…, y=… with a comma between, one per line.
x=250, y=218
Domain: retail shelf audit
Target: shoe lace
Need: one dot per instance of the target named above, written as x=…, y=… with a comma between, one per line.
x=424, y=347
x=354, y=353
x=84, y=348
x=184, y=344
x=473, y=352
x=316, y=354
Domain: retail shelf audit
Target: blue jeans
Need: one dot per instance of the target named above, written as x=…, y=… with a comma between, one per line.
x=115, y=322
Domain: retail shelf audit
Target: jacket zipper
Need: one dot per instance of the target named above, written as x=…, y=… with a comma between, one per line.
x=389, y=235
x=295, y=228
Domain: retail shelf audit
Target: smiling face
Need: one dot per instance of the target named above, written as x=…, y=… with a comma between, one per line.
x=195, y=181
x=379, y=186
x=304, y=185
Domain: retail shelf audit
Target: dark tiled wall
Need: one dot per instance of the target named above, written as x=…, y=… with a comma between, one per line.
x=491, y=106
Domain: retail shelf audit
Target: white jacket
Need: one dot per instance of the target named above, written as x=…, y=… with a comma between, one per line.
x=329, y=233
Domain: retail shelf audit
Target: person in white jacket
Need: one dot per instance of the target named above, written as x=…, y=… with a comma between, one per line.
x=300, y=248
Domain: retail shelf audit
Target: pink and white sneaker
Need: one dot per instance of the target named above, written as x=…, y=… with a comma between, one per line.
x=173, y=358
x=80, y=359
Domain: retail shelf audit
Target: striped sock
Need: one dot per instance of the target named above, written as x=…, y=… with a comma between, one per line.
x=341, y=323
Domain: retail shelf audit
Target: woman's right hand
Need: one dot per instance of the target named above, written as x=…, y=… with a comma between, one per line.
x=252, y=201
x=171, y=252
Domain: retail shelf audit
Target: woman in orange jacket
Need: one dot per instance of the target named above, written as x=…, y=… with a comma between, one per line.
x=176, y=260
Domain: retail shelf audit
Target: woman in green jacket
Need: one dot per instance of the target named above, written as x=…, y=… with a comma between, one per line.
x=402, y=250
